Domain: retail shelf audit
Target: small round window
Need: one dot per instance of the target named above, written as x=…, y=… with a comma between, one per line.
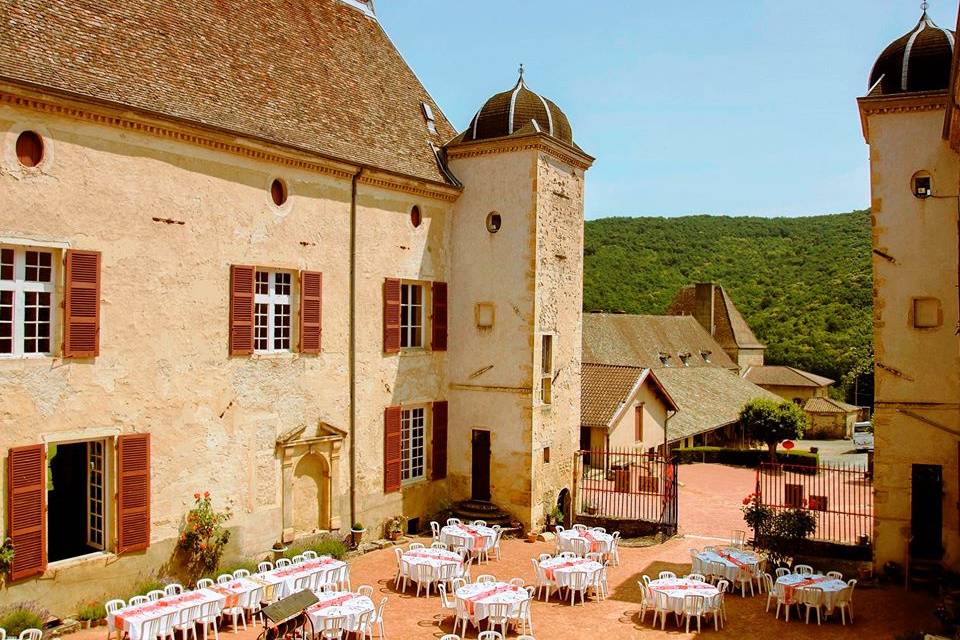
x=415, y=218
x=29, y=148
x=278, y=192
x=493, y=222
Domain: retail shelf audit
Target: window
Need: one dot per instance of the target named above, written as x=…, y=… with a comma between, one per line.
x=411, y=316
x=546, y=368
x=95, y=494
x=278, y=192
x=77, y=476
x=415, y=218
x=665, y=359
x=29, y=149
x=272, y=312
x=705, y=355
x=26, y=301
x=638, y=423
x=922, y=185
x=685, y=358
x=927, y=313
x=546, y=455
x=429, y=117
x=494, y=222
x=412, y=437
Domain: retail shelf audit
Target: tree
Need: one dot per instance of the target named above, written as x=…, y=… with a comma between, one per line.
x=771, y=422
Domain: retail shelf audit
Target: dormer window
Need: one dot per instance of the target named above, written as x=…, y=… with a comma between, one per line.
x=428, y=116
x=685, y=358
x=665, y=359
x=705, y=355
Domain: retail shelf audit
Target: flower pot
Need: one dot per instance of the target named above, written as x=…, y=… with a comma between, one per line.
x=357, y=536
x=532, y=536
x=85, y=624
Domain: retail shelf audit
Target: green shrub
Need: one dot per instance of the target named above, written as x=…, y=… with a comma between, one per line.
x=744, y=457
x=323, y=547
x=22, y=615
x=93, y=610
x=142, y=588
x=249, y=565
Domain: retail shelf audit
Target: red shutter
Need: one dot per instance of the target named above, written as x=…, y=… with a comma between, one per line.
x=133, y=487
x=440, y=440
x=439, y=322
x=27, y=510
x=391, y=315
x=311, y=305
x=81, y=305
x=392, y=449
x=241, y=309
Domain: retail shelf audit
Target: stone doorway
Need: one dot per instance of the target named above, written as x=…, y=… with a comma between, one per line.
x=311, y=469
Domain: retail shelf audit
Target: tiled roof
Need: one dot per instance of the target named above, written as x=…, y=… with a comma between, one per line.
x=637, y=341
x=828, y=405
x=316, y=75
x=780, y=376
x=605, y=387
x=708, y=398
x=732, y=329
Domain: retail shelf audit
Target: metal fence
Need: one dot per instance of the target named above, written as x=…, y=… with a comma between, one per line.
x=627, y=485
x=840, y=496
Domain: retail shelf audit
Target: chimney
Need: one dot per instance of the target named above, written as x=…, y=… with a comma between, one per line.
x=703, y=307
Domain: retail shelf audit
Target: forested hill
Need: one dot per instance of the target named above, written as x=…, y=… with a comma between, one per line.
x=803, y=284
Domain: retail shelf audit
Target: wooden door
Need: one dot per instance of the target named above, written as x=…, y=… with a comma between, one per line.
x=926, y=511
x=481, y=465
x=585, y=445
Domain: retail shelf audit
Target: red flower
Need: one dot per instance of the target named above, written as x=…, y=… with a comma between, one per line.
x=196, y=496
x=206, y=494
x=746, y=501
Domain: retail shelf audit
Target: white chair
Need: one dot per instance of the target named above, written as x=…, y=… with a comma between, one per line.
x=811, y=598
x=283, y=562
x=661, y=608
x=738, y=538
x=567, y=555
x=136, y=601
x=744, y=578
x=466, y=567
x=205, y=583
x=699, y=577
x=309, y=555
x=251, y=603
x=479, y=523
x=517, y=582
x=241, y=573
x=435, y=530
x=715, y=571
x=598, y=529
x=485, y=577
x=453, y=522
x=578, y=582
x=693, y=607
x=264, y=566
x=769, y=585
x=719, y=605
x=414, y=546
x=781, y=571
x=803, y=570
x=498, y=615
x=646, y=600
x=224, y=578
x=173, y=589
x=343, y=576
x=155, y=594
x=424, y=576
x=579, y=528
x=446, y=602
x=524, y=619
x=615, y=549
x=167, y=622
x=490, y=635
x=598, y=581
x=844, y=602
x=781, y=595
x=185, y=622
x=646, y=580
x=209, y=615
x=402, y=569
x=835, y=575
x=332, y=628
x=438, y=545
x=496, y=546
x=463, y=616
x=666, y=575
x=450, y=636
x=376, y=621
x=580, y=547
x=447, y=573
x=544, y=556
x=297, y=559
x=542, y=581
x=112, y=607
x=238, y=611
x=328, y=587
x=365, y=590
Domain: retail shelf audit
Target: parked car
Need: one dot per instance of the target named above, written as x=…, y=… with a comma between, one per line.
x=863, y=436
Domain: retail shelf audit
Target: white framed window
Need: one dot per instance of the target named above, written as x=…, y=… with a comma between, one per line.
x=546, y=368
x=411, y=316
x=95, y=494
x=273, y=307
x=27, y=290
x=413, y=436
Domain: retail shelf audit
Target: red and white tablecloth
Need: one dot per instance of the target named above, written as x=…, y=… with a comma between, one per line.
x=433, y=557
x=479, y=596
x=559, y=569
x=732, y=560
x=287, y=576
x=131, y=619
x=473, y=538
x=596, y=542
x=678, y=588
x=337, y=604
x=788, y=585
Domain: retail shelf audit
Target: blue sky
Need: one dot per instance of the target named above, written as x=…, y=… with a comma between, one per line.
x=738, y=107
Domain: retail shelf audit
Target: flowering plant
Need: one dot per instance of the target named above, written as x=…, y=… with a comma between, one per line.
x=757, y=515
x=203, y=535
x=6, y=555
x=779, y=532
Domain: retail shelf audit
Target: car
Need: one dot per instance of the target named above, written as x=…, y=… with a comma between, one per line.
x=863, y=436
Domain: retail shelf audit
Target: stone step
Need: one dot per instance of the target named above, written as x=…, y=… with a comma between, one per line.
x=469, y=510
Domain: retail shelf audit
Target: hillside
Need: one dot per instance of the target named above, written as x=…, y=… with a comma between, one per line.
x=803, y=284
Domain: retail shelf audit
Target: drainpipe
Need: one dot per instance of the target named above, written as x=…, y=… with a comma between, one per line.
x=352, y=348
x=666, y=424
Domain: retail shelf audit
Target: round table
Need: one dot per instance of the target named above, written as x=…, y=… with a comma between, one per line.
x=433, y=557
x=678, y=588
x=731, y=560
x=596, y=542
x=788, y=584
x=559, y=569
x=335, y=604
x=478, y=596
x=469, y=536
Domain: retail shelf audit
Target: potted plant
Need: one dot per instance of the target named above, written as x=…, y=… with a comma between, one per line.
x=356, y=533
x=532, y=535
x=395, y=527
x=90, y=613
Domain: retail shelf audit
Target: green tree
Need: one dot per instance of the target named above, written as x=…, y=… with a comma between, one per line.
x=771, y=422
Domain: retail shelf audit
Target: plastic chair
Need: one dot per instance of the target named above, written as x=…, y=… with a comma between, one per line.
x=646, y=579
x=738, y=538
x=544, y=556
x=661, y=608
x=517, y=582
x=579, y=528
x=666, y=575
x=768, y=584
x=646, y=600
x=376, y=620
x=413, y=546
x=693, y=607
x=309, y=555
x=451, y=522
x=297, y=559
x=435, y=530
x=699, y=577
x=185, y=622
x=402, y=569
x=744, y=578
x=173, y=589
x=136, y=601
x=365, y=590
x=424, y=577
x=578, y=582
x=498, y=614
x=463, y=616
x=450, y=636
x=224, y=578
x=264, y=566
x=156, y=594
x=543, y=582
x=567, y=555
x=205, y=583
x=844, y=602
x=781, y=571
x=446, y=602
x=836, y=575
x=241, y=573
x=331, y=628
x=719, y=606
x=812, y=599
x=439, y=545
x=524, y=619
x=479, y=523
x=209, y=616
x=803, y=570
x=112, y=607
x=283, y=562
x=490, y=635
x=485, y=577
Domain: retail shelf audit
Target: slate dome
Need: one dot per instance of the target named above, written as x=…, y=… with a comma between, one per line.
x=916, y=61
x=518, y=111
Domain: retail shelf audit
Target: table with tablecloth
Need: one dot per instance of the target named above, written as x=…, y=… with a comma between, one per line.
x=597, y=542
x=131, y=619
x=789, y=584
x=472, y=537
x=287, y=576
x=433, y=557
x=559, y=569
x=731, y=560
x=335, y=604
x=478, y=596
x=678, y=588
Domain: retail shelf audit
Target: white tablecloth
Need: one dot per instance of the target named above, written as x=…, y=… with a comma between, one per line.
x=559, y=569
x=728, y=558
x=677, y=588
x=473, y=538
x=340, y=603
x=131, y=619
x=433, y=557
x=287, y=576
x=479, y=596
x=596, y=542
x=788, y=584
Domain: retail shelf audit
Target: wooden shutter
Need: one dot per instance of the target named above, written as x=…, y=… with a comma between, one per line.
x=439, y=320
x=440, y=440
x=27, y=510
x=311, y=306
x=391, y=315
x=133, y=488
x=392, y=449
x=81, y=305
x=241, y=309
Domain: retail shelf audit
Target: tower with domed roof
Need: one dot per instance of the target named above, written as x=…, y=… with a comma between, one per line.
x=909, y=121
x=517, y=249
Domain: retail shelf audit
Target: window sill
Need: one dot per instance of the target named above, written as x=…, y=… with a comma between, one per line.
x=414, y=352
x=277, y=355
x=28, y=356
x=70, y=563
x=416, y=482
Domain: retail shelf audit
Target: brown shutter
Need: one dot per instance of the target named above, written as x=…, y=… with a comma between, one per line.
x=311, y=306
x=133, y=487
x=27, y=509
x=440, y=440
x=439, y=321
x=81, y=305
x=241, y=309
x=391, y=315
x=392, y=449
